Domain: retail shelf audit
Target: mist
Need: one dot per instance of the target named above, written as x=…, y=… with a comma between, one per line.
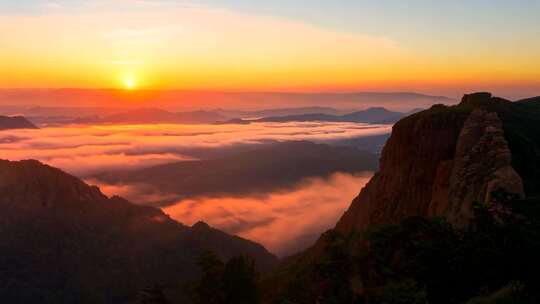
x=87, y=149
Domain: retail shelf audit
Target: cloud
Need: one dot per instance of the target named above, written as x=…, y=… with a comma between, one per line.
x=182, y=45
x=284, y=222
x=87, y=149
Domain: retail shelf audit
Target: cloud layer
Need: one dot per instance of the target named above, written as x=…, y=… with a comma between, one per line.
x=284, y=222
x=83, y=150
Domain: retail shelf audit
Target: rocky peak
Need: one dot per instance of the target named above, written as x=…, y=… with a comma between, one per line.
x=69, y=236
x=15, y=122
x=437, y=163
x=476, y=99
x=482, y=165
x=29, y=183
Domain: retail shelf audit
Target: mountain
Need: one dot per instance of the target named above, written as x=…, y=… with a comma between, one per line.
x=464, y=152
x=279, y=112
x=63, y=241
x=16, y=122
x=372, y=143
x=371, y=115
x=532, y=101
x=188, y=100
x=142, y=116
x=452, y=215
x=259, y=170
x=393, y=119
x=301, y=118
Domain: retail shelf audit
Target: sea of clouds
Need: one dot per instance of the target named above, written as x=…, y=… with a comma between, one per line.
x=86, y=149
x=284, y=221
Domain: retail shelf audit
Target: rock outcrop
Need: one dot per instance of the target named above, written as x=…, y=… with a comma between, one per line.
x=481, y=166
x=439, y=163
x=15, y=122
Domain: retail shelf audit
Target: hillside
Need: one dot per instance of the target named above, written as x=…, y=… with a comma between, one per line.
x=63, y=241
x=371, y=115
x=15, y=122
x=145, y=116
x=259, y=170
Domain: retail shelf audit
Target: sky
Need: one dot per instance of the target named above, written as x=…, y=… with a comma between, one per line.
x=443, y=47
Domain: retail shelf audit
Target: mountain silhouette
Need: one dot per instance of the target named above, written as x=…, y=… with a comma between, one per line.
x=63, y=241
x=15, y=122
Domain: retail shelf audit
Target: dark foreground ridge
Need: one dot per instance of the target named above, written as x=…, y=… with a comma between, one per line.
x=63, y=241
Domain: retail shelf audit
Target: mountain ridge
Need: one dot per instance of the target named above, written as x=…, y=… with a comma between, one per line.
x=15, y=122
x=373, y=115
x=272, y=167
x=78, y=245
x=216, y=99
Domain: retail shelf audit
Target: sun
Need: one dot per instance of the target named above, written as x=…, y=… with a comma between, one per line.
x=130, y=83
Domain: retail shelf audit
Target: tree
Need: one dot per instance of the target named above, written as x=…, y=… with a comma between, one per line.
x=233, y=282
x=240, y=281
x=209, y=289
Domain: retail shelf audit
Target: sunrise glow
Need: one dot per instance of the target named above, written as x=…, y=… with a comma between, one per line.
x=129, y=84
x=229, y=47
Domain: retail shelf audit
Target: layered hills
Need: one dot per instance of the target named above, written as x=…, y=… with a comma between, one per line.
x=254, y=171
x=63, y=241
x=374, y=115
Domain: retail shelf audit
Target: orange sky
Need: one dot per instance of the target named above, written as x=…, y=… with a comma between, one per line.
x=202, y=47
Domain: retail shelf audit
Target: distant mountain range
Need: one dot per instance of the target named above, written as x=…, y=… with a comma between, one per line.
x=176, y=100
x=376, y=115
x=281, y=112
x=16, y=122
x=139, y=116
x=255, y=171
x=63, y=241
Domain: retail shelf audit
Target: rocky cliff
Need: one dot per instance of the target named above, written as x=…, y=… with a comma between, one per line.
x=441, y=161
x=458, y=191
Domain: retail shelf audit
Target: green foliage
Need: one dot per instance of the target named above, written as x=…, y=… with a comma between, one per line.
x=403, y=292
x=233, y=282
x=239, y=281
x=209, y=289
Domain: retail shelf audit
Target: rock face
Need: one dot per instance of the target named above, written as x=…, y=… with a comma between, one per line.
x=408, y=167
x=438, y=163
x=16, y=122
x=481, y=166
x=63, y=241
